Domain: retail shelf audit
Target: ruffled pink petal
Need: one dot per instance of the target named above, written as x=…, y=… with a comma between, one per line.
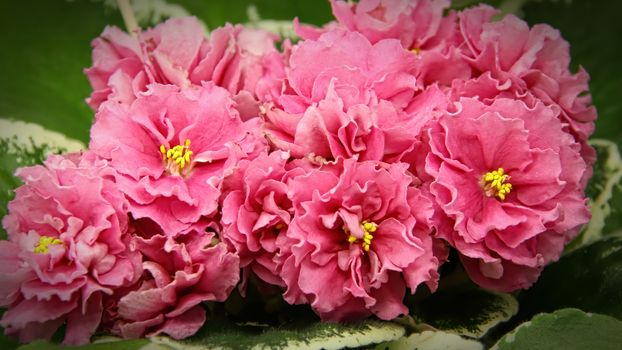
x=184, y=325
x=82, y=325
x=31, y=310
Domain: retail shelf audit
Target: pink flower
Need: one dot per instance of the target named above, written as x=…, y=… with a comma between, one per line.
x=260, y=67
x=171, y=148
x=67, y=249
x=361, y=71
x=359, y=236
x=348, y=97
x=414, y=23
x=508, y=180
x=380, y=131
x=272, y=83
x=118, y=73
x=419, y=25
x=244, y=61
x=532, y=63
x=180, y=273
x=256, y=212
x=178, y=52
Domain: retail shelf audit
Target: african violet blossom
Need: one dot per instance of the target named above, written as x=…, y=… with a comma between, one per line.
x=361, y=72
x=256, y=211
x=359, y=236
x=349, y=97
x=180, y=273
x=414, y=23
x=67, y=249
x=419, y=25
x=171, y=148
x=508, y=180
x=178, y=52
x=530, y=63
x=381, y=131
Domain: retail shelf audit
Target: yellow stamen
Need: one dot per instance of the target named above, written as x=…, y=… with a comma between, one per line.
x=44, y=242
x=368, y=228
x=177, y=159
x=415, y=50
x=496, y=183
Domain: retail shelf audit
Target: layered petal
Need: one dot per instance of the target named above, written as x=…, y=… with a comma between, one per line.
x=171, y=148
x=342, y=255
x=508, y=183
x=68, y=246
x=182, y=272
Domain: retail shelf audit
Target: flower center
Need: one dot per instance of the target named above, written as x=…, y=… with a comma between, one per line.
x=44, y=242
x=177, y=159
x=415, y=50
x=368, y=229
x=496, y=183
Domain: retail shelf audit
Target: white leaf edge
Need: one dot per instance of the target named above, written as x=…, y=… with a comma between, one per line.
x=566, y=313
x=23, y=132
x=496, y=317
x=349, y=339
x=600, y=206
x=151, y=11
x=111, y=340
x=431, y=340
x=283, y=28
x=510, y=336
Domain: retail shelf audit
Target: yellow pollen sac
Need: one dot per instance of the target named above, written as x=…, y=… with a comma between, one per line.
x=176, y=159
x=416, y=51
x=368, y=229
x=44, y=242
x=496, y=183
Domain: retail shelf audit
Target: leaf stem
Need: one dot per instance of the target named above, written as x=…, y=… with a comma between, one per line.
x=128, y=16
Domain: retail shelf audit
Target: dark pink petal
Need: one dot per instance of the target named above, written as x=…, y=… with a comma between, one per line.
x=184, y=325
x=82, y=325
x=31, y=310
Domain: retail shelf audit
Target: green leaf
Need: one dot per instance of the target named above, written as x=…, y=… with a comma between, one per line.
x=566, y=329
x=6, y=343
x=217, y=13
x=602, y=188
x=589, y=278
x=44, y=51
x=134, y=344
x=151, y=12
x=318, y=335
x=31, y=143
x=468, y=312
x=431, y=340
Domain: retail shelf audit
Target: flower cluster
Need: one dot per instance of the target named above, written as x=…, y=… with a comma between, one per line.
x=341, y=169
